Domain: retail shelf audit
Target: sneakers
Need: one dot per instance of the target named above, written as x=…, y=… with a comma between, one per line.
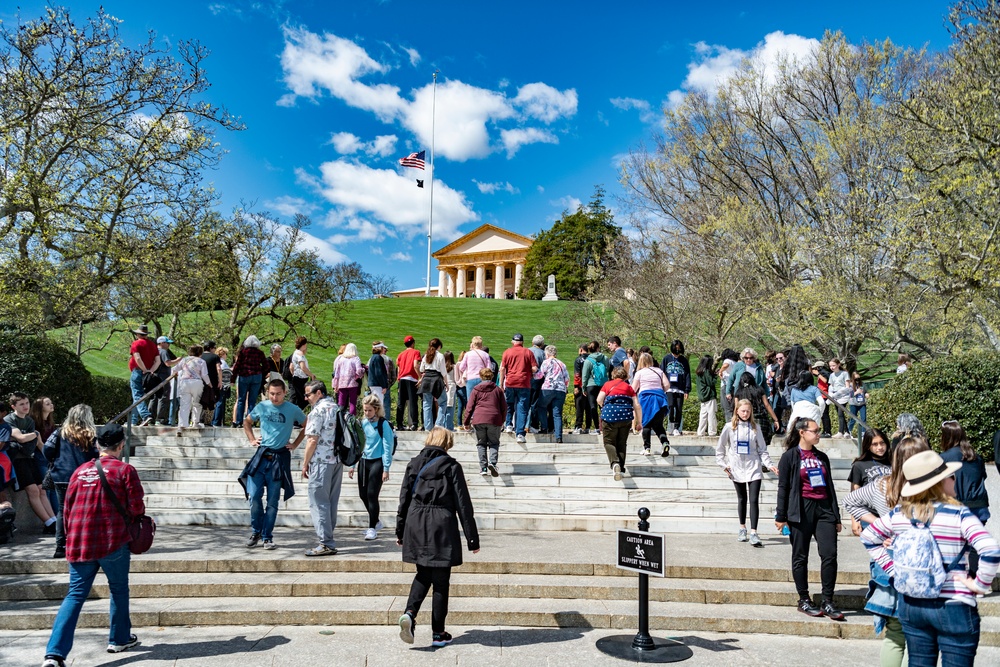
x=146, y=422
x=532, y=429
x=742, y=536
x=49, y=529
x=253, y=540
x=646, y=451
x=118, y=648
x=484, y=472
x=808, y=608
x=520, y=439
x=53, y=661
x=371, y=534
x=59, y=553
x=616, y=470
x=831, y=612
x=509, y=428
x=406, y=627
x=666, y=450
x=379, y=526
x=493, y=470
x=675, y=432
x=321, y=550
x=558, y=441
x=269, y=545
x=441, y=639
x=755, y=540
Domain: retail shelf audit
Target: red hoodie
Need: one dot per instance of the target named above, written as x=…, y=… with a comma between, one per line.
x=487, y=404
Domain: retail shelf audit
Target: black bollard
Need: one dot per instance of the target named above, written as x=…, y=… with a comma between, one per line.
x=642, y=641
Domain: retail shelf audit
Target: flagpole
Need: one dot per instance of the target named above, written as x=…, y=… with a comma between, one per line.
x=430, y=218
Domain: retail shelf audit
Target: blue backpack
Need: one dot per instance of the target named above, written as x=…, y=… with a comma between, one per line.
x=919, y=570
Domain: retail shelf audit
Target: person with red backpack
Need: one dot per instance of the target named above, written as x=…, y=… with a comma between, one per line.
x=619, y=405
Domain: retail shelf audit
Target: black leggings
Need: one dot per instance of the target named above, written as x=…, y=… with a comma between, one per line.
x=440, y=578
x=820, y=519
x=675, y=407
x=743, y=490
x=827, y=427
x=369, y=486
x=582, y=405
x=592, y=409
x=655, y=426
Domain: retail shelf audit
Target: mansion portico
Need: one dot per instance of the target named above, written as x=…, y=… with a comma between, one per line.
x=486, y=261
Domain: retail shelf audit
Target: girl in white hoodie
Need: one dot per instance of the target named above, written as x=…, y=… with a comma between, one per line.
x=742, y=454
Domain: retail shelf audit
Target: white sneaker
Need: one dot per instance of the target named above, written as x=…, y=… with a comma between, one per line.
x=520, y=439
x=508, y=429
x=371, y=534
x=578, y=431
x=616, y=470
x=379, y=526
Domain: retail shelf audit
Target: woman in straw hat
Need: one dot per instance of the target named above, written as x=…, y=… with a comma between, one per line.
x=948, y=623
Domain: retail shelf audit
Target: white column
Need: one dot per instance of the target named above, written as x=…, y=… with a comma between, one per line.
x=460, y=281
x=518, y=274
x=480, y=280
x=498, y=281
x=442, y=283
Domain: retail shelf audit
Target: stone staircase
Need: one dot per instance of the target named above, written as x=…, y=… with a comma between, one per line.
x=191, y=480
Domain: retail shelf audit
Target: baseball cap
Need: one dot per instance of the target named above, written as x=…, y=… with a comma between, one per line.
x=110, y=435
x=408, y=339
x=163, y=339
x=518, y=337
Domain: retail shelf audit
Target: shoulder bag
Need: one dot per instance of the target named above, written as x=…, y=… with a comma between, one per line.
x=141, y=528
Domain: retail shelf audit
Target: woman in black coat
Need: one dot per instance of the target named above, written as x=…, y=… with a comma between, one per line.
x=807, y=504
x=433, y=498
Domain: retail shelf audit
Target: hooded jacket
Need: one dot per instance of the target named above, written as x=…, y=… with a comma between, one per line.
x=433, y=498
x=487, y=405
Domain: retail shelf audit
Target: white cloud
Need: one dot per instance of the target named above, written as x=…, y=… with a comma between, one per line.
x=401, y=257
x=375, y=250
x=346, y=143
x=324, y=248
x=514, y=139
x=567, y=203
x=547, y=104
x=645, y=109
x=361, y=193
x=541, y=189
x=715, y=64
x=490, y=188
x=414, y=56
x=289, y=206
x=315, y=64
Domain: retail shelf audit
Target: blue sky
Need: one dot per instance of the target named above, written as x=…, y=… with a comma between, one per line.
x=536, y=101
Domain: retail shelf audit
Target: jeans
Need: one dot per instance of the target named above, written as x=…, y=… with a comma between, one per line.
x=428, y=399
x=81, y=579
x=858, y=411
x=247, y=390
x=261, y=521
x=141, y=412
x=461, y=400
x=43, y=467
x=449, y=416
x=220, y=406
x=536, y=394
x=554, y=400
x=518, y=397
x=931, y=626
x=60, y=524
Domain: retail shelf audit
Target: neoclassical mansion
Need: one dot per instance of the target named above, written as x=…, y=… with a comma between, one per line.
x=487, y=262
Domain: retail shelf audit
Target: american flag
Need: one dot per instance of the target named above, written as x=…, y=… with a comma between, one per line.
x=415, y=160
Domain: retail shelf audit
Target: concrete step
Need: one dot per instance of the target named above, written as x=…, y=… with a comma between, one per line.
x=474, y=611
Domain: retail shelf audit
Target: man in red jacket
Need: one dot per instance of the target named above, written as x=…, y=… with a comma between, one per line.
x=97, y=538
x=517, y=366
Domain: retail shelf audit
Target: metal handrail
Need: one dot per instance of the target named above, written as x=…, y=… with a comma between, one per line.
x=127, y=412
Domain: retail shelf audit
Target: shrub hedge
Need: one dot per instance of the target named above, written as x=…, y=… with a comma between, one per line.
x=957, y=387
x=39, y=366
x=110, y=396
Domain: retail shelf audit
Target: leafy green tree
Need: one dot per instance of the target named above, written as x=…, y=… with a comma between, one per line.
x=577, y=250
x=98, y=140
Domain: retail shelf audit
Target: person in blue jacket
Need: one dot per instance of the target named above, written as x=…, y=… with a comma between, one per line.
x=375, y=461
x=70, y=446
x=748, y=364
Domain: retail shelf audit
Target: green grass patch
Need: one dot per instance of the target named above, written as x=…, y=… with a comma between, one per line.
x=454, y=321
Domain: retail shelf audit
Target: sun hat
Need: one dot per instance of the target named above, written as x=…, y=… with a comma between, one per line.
x=818, y=364
x=924, y=470
x=143, y=330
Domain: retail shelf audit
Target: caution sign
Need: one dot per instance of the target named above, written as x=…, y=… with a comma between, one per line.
x=641, y=552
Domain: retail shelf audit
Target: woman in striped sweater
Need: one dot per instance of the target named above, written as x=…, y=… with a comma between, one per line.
x=948, y=624
x=865, y=506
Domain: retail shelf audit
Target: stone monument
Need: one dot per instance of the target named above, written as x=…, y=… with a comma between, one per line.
x=551, y=294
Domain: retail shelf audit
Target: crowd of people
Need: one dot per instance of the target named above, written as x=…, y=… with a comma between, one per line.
x=919, y=514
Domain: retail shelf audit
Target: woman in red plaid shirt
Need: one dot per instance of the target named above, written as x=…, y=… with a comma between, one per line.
x=97, y=538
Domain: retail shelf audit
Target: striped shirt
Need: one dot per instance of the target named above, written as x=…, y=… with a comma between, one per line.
x=869, y=499
x=953, y=526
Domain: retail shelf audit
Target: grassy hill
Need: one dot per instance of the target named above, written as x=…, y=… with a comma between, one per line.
x=454, y=321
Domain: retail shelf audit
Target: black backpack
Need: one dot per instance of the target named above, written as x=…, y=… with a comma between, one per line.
x=286, y=368
x=349, y=438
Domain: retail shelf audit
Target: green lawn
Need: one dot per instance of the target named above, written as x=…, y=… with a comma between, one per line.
x=454, y=321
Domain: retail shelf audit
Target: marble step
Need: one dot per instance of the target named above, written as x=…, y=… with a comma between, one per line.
x=350, y=502
x=641, y=466
x=485, y=521
x=472, y=611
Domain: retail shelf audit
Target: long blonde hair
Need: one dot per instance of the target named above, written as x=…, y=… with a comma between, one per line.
x=79, y=427
x=921, y=506
x=736, y=419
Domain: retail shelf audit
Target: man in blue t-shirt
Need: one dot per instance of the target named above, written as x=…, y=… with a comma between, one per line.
x=270, y=467
x=618, y=353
